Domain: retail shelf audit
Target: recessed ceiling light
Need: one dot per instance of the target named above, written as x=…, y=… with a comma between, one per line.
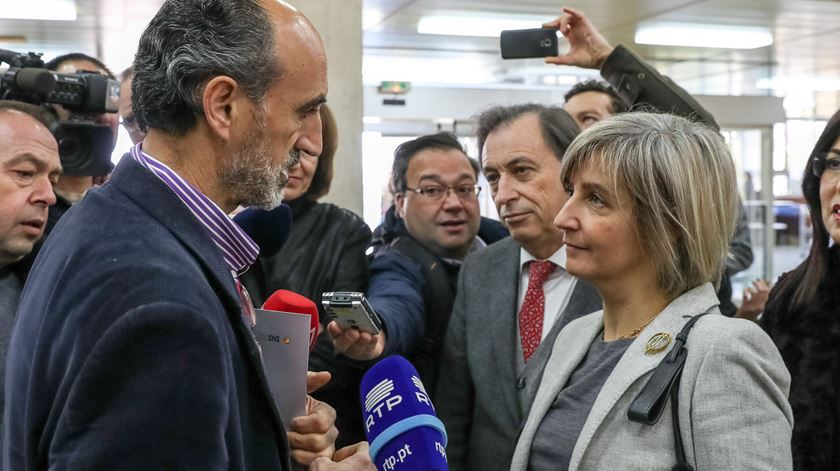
x=57, y=10
x=703, y=35
x=463, y=24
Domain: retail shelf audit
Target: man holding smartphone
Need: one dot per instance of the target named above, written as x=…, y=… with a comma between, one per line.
x=635, y=81
x=433, y=225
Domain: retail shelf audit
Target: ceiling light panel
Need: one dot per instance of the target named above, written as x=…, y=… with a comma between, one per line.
x=471, y=24
x=703, y=35
x=58, y=10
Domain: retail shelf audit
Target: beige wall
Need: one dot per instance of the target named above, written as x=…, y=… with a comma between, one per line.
x=340, y=25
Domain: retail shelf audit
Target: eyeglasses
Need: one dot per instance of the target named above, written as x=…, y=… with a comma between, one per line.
x=827, y=162
x=130, y=124
x=465, y=193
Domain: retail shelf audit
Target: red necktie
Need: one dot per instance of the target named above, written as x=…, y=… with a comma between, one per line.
x=533, y=309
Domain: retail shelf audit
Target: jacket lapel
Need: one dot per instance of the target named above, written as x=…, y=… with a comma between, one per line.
x=165, y=206
x=570, y=346
x=584, y=300
x=635, y=363
x=501, y=301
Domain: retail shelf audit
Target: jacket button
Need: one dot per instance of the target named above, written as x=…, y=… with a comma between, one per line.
x=641, y=76
x=520, y=384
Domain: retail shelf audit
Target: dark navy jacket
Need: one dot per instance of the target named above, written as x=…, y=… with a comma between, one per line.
x=398, y=287
x=130, y=351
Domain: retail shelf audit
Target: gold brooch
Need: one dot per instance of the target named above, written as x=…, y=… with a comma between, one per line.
x=657, y=343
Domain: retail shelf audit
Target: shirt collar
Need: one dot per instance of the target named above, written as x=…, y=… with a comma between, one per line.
x=239, y=251
x=558, y=257
x=478, y=243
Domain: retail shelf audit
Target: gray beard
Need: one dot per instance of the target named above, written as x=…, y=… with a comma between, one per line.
x=294, y=159
x=251, y=178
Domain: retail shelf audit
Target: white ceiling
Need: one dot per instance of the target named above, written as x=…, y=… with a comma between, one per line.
x=805, y=34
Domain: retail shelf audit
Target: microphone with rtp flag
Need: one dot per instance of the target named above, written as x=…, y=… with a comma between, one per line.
x=288, y=301
x=400, y=421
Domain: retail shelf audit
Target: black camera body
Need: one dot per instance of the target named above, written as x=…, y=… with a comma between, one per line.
x=84, y=145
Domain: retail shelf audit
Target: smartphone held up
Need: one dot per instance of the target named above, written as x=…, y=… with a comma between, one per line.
x=529, y=43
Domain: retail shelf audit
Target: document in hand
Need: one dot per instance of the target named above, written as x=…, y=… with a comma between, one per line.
x=284, y=340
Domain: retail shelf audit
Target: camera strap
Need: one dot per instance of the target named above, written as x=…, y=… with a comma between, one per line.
x=648, y=405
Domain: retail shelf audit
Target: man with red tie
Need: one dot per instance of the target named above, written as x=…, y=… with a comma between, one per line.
x=514, y=296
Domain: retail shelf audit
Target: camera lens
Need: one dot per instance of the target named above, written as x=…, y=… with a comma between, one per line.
x=85, y=148
x=75, y=154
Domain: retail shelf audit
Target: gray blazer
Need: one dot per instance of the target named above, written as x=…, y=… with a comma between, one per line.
x=734, y=413
x=483, y=392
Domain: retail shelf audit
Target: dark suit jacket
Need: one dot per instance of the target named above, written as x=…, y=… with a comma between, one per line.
x=482, y=398
x=325, y=252
x=130, y=351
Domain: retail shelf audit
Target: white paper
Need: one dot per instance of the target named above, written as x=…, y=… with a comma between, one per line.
x=284, y=340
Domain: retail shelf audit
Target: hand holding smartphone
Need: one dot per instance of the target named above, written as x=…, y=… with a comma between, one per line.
x=529, y=43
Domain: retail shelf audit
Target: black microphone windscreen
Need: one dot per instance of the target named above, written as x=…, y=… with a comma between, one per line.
x=40, y=81
x=270, y=229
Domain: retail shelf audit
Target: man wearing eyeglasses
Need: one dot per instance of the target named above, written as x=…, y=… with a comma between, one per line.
x=434, y=223
x=127, y=119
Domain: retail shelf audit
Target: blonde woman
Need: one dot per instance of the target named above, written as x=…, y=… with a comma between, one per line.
x=651, y=210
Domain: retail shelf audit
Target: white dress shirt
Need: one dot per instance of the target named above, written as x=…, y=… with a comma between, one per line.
x=557, y=288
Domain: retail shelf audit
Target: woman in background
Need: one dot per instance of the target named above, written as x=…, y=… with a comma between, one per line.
x=651, y=211
x=325, y=252
x=802, y=315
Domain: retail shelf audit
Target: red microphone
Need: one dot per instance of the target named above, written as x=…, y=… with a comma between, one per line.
x=288, y=301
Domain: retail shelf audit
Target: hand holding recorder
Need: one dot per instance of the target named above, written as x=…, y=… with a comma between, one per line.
x=355, y=330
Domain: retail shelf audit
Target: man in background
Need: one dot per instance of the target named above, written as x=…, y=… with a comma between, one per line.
x=127, y=119
x=29, y=167
x=73, y=186
x=434, y=224
x=591, y=101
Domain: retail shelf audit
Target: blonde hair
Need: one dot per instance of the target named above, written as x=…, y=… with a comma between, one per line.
x=681, y=180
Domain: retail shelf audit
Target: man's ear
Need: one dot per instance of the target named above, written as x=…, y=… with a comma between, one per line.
x=399, y=205
x=220, y=99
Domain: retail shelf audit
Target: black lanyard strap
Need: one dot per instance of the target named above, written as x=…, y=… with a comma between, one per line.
x=648, y=405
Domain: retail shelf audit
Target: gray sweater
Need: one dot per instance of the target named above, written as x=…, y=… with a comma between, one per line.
x=10, y=289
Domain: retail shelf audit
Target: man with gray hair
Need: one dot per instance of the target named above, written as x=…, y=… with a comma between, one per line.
x=134, y=349
x=512, y=297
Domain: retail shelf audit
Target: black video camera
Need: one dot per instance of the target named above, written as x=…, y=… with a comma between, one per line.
x=84, y=145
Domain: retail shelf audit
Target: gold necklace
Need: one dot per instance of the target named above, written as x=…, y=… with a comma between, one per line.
x=638, y=330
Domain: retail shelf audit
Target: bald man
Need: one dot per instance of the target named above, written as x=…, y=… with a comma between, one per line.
x=134, y=348
x=29, y=167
